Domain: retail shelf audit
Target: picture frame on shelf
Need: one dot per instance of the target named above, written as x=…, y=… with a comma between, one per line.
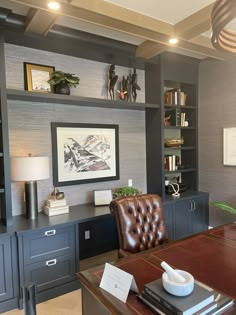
x=229, y=150
x=36, y=77
x=84, y=153
x=102, y=197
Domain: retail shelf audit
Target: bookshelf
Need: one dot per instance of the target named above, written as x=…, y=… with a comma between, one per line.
x=179, y=105
x=171, y=77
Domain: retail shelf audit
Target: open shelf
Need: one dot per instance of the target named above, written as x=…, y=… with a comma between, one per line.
x=21, y=95
x=180, y=148
x=178, y=127
x=168, y=106
x=183, y=170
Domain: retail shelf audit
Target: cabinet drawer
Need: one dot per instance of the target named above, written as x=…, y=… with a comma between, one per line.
x=51, y=273
x=48, y=243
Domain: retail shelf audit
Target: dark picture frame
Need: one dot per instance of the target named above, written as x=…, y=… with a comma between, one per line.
x=84, y=153
x=36, y=77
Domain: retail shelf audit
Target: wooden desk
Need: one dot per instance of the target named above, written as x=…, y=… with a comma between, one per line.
x=209, y=256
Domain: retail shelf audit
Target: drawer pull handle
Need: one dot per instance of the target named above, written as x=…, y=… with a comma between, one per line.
x=50, y=233
x=51, y=262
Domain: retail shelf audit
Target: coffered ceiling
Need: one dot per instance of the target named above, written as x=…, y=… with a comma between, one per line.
x=148, y=24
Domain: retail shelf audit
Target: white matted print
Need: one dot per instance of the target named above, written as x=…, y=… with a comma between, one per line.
x=84, y=153
x=229, y=138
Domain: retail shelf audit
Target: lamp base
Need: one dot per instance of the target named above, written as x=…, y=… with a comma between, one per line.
x=31, y=200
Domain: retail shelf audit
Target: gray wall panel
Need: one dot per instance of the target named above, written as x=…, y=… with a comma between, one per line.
x=30, y=130
x=217, y=110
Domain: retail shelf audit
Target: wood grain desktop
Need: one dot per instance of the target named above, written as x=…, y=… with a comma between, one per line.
x=209, y=256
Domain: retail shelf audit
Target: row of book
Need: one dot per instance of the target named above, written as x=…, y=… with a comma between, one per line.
x=172, y=162
x=175, y=97
x=202, y=301
x=175, y=118
x=56, y=207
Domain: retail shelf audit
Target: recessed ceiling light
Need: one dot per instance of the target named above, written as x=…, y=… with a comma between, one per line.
x=173, y=41
x=54, y=5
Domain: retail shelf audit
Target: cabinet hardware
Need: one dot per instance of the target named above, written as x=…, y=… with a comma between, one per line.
x=51, y=262
x=190, y=206
x=50, y=233
x=194, y=205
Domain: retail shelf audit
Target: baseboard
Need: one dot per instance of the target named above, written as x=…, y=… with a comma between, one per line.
x=8, y=305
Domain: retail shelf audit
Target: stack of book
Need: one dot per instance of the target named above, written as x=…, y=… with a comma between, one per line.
x=55, y=207
x=202, y=301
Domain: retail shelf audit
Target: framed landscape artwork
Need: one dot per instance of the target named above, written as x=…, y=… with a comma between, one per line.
x=84, y=153
x=36, y=77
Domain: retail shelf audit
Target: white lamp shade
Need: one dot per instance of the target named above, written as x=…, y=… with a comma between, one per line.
x=30, y=168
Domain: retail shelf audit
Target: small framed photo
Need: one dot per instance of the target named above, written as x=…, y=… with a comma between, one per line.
x=229, y=135
x=36, y=77
x=102, y=197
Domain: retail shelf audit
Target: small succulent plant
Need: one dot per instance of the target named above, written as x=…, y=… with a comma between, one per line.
x=60, y=77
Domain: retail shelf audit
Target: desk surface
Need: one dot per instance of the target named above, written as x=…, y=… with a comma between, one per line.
x=209, y=256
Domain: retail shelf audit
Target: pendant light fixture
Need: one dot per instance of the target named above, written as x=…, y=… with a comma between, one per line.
x=223, y=23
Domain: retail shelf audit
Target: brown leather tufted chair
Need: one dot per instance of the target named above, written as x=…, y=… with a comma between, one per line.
x=140, y=223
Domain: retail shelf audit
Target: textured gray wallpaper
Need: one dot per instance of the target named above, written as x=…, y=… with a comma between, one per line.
x=29, y=123
x=217, y=110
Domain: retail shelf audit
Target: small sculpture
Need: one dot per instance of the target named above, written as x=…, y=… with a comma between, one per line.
x=135, y=85
x=122, y=92
x=56, y=194
x=128, y=88
x=112, y=81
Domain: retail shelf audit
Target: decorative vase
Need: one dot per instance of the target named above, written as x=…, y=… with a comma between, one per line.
x=62, y=88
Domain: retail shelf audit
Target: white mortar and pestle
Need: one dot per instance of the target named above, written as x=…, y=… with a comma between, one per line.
x=177, y=282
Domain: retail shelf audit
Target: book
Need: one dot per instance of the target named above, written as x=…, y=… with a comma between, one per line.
x=57, y=208
x=157, y=308
x=53, y=211
x=186, y=305
x=55, y=202
x=223, y=303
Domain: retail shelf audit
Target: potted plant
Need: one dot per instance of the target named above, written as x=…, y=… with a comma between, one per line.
x=62, y=81
x=224, y=206
x=125, y=191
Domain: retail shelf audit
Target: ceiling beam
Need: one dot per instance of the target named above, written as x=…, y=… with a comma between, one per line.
x=194, y=24
x=103, y=9
x=150, y=49
x=202, y=41
x=39, y=21
x=120, y=19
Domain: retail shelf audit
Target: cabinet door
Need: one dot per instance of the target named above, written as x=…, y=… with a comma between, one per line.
x=168, y=213
x=182, y=218
x=6, y=284
x=200, y=214
x=97, y=236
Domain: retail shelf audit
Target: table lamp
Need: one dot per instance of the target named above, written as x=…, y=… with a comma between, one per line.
x=30, y=169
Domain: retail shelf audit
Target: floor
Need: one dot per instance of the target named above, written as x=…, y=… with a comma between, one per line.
x=67, y=304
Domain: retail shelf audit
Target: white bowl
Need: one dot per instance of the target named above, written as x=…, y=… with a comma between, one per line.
x=178, y=288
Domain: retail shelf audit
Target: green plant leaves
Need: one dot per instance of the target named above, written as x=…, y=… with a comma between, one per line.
x=224, y=206
x=126, y=191
x=60, y=77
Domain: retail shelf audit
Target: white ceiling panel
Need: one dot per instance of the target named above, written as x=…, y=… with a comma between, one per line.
x=170, y=11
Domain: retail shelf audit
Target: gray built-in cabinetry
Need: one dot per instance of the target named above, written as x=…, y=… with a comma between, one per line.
x=189, y=213
x=47, y=251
